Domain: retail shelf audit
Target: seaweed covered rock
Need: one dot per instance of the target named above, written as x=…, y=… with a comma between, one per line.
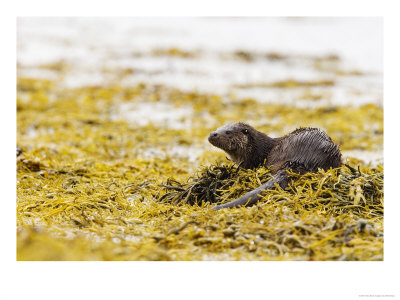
x=213, y=184
x=335, y=190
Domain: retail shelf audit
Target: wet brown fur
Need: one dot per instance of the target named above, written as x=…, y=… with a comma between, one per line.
x=303, y=150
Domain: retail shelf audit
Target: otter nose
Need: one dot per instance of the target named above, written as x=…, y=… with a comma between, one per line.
x=213, y=134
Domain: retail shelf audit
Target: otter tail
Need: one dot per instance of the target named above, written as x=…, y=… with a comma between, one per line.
x=281, y=178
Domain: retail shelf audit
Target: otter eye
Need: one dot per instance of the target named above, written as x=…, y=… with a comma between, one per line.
x=245, y=131
x=228, y=132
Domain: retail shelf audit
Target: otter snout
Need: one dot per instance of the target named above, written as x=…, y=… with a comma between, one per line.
x=213, y=137
x=213, y=134
x=218, y=133
x=222, y=137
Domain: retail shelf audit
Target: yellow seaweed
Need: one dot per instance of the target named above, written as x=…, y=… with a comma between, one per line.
x=88, y=190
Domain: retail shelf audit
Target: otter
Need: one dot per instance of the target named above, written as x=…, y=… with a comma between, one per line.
x=303, y=150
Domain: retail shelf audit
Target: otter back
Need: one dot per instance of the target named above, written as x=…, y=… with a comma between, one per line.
x=304, y=150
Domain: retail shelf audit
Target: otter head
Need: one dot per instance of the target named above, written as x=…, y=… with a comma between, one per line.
x=234, y=140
